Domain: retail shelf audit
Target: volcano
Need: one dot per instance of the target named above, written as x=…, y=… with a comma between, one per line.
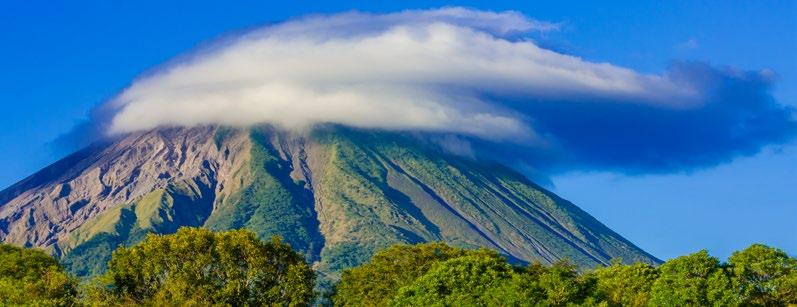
x=333, y=193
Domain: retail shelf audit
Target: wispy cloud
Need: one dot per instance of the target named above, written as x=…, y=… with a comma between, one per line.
x=688, y=45
x=458, y=71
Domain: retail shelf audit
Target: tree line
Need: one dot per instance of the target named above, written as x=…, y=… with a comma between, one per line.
x=198, y=267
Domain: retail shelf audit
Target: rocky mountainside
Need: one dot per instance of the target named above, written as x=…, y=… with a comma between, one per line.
x=335, y=194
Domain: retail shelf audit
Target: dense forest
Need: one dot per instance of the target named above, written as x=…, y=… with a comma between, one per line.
x=198, y=267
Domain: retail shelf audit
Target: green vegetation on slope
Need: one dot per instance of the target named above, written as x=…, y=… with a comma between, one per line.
x=353, y=187
x=270, y=202
x=338, y=195
x=163, y=211
x=389, y=188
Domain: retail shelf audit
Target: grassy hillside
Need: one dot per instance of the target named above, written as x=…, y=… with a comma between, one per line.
x=88, y=248
x=269, y=202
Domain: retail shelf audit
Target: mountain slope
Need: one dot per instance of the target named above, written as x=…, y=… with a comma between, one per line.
x=335, y=194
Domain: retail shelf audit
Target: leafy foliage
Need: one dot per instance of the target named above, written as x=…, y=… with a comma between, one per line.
x=396, y=266
x=693, y=280
x=32, y=277
x=446, y=276
x=436, y=274
x=625, y=285
x=486, y=279
x=563, y=285
x=197, y=266
x=765, y=276
x=462, y=281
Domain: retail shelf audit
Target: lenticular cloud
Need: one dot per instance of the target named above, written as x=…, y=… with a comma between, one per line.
x=465, y=72
x=416, y=70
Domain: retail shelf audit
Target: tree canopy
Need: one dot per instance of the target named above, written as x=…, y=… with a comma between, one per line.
x=31, y=277
x=765, y=276
x=625, y=285
x=198, y=266
x=447, y=276
x=462, y=281
x=693, y=280
x=396, y=266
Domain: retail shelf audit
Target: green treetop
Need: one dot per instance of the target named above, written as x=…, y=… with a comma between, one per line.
x=198, y=267
x=31, y=277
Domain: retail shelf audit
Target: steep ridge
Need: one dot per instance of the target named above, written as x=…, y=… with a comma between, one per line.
x=335, y=194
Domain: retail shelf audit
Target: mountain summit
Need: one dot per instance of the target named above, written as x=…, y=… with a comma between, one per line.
x=335, y=194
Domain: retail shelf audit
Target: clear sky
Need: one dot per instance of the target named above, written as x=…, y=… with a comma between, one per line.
x=59, y=59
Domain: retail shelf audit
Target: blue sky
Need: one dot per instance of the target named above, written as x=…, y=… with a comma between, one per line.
x=61, y=59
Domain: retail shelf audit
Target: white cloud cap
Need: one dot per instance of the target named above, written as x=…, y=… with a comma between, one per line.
x=425, y=70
